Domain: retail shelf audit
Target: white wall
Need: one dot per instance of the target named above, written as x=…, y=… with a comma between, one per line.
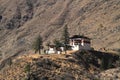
x=50, y=51
x=86, y=46
x=75, y=47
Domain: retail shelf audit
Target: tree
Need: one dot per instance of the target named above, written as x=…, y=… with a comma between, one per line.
x=65, y=37
x=27, y=70
x=48, y=44
x=37, y=45
x=57, y=43
x=105, y=62
x=29, y=73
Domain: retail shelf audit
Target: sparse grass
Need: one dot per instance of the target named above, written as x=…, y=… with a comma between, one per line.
x=57, y=64
x=117, y=17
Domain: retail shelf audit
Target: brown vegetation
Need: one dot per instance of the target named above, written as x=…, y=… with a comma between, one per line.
x=83, y=65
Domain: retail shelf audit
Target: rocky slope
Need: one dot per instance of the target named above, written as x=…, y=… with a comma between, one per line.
x=111, y=74
x=47, y=67
x=22, y=20
x=80, y=65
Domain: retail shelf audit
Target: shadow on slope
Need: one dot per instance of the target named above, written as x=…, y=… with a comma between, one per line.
x=100, y=60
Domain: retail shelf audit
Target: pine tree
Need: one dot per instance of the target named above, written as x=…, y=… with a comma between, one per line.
x=65, y=37
x=37, y=45
x=57, y=44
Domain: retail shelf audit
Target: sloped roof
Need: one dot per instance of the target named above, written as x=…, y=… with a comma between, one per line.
x=52, y=46
x=79, y=36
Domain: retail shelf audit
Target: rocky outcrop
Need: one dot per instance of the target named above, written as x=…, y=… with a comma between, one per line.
x=111, y=74
x=48, y=67
x=81, y=65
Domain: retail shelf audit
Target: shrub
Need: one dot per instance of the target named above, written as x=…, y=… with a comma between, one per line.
x=106, y=62
x=27, y=70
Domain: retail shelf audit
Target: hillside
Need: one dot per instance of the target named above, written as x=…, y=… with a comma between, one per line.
x=79, y=65
x=46, y=67
x=22, y=20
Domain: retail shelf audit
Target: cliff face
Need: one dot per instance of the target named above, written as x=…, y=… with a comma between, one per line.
x=22, y=20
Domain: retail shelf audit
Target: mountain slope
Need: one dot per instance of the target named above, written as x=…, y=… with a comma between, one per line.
x=23, y=20
x=79, y=65
x=48, y=67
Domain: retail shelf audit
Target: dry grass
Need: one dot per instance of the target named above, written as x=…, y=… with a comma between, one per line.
x=59, y=66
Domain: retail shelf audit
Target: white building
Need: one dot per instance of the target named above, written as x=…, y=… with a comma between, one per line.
x=51, y=49
x=78, y=42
